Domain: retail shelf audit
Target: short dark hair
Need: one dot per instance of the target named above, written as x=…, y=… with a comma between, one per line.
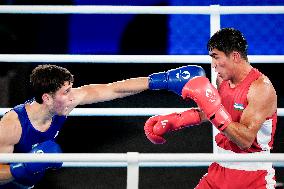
x=228, y=40
x=48, y=79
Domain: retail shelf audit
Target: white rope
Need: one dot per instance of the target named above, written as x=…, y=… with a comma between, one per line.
x=89, y=9
x=121, y=160
x=142, y=157
x=64, y=58
x=143, y=164
x=147, y=164
x=125, y=111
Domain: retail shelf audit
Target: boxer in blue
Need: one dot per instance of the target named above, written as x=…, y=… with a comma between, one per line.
x=32, y=127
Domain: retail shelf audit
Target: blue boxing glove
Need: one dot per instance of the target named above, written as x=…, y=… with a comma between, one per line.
x=175, y=79
x=30, y=173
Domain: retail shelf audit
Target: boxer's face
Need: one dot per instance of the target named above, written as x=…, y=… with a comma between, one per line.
x=62, y=99
x=223, y=65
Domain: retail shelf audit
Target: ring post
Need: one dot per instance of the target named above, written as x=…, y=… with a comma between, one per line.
x=132, y=170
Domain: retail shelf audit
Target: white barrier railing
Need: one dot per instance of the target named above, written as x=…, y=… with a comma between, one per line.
x=89, y=9
x=142, y=157
x=67, y=58
x=133, y=160
x=125, y=111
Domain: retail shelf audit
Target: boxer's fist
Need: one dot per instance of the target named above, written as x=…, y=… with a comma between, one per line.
x=174, y=80
x=156, y=126
x=30, y=173
x=208, y=99
x=155, y=137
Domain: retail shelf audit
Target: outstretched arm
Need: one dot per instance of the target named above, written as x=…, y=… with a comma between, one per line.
x=172, y=80
x=94, y=93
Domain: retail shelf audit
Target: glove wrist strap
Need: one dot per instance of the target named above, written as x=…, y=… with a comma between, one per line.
x=221, y=119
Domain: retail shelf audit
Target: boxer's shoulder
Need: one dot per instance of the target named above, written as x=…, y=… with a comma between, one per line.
x=10, y=128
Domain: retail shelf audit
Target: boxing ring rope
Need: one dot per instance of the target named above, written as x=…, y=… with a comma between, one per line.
x=142, y=158
x=89, y=9
x=125, y=111
x=134, y=160
x=67, y=58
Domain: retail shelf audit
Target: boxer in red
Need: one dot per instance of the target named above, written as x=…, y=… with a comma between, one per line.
x=243, y=109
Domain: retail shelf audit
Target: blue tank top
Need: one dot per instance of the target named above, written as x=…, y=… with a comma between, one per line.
x=30, y=136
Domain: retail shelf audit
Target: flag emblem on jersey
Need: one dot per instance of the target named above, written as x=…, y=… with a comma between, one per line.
x=238, y=106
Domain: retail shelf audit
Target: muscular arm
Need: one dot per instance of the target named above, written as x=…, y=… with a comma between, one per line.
x=94, y=93
x=10, y=132
x=262, y=103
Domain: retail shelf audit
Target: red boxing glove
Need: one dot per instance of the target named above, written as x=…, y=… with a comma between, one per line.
x=207, y=98
x=156, y=126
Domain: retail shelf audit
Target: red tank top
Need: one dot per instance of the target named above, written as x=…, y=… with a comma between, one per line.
x=235, y=101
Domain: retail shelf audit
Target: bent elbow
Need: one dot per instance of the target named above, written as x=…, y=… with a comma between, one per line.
x=245, y=146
